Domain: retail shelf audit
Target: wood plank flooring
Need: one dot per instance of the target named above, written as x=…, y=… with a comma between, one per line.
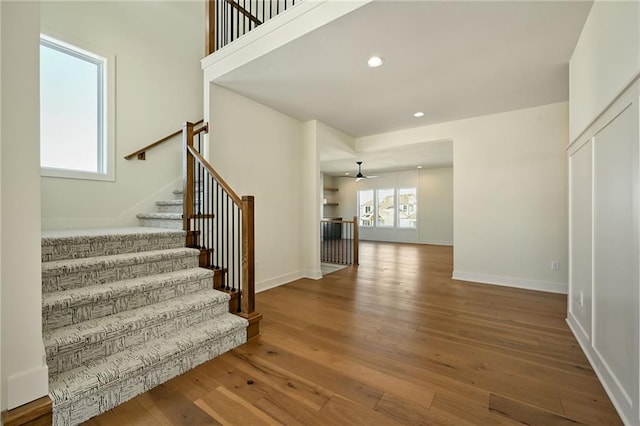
x=394, y=341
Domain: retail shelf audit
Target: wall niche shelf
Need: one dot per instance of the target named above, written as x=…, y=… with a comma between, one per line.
x=326, y=202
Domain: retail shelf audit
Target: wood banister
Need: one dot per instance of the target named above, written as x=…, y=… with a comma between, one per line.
x=235, y=197
x=210, y=27
x=188, y=177
x=222, y=228
x=141, y=153
x=339, y=250
x=356, y=241
x=248, y=296
x=244, y=12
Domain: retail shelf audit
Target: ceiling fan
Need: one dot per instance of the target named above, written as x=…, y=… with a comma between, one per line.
x=360, y=176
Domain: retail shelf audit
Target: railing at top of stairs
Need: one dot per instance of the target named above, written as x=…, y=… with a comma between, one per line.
x=221, y=224
x=229, y=19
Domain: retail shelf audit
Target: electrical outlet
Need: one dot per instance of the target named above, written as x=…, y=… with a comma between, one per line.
x=555, y=266
x=258, y=264
x=581, y=299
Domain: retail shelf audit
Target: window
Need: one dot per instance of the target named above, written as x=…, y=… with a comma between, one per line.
x=386, y=208
x=407, y=208
x=75, y=113
x=379, y=208
x=365, y=201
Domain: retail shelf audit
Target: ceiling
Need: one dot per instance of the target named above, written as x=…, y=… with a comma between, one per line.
x=426, y=155
x=449, y=59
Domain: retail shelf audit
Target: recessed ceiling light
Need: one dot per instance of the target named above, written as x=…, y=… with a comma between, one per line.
x=347, y=173
x=419, y=167
x=374, y=62
x=418, y=114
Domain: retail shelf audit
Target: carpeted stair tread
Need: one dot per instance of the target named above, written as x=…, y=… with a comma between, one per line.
x=158, y=215
x=102, y=384
x=169, y=203
x=169, y=206
x=169, y=220
x=74, y=273
x=83, y=243
x=63, y=308
x=90, y=332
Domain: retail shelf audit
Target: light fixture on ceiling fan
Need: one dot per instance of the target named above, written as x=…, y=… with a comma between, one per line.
x=360, y=176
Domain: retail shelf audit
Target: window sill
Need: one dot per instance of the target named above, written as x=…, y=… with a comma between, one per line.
x=74, y=174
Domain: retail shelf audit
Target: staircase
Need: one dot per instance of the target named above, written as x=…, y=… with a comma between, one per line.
x=168, y=214
x=123, y=311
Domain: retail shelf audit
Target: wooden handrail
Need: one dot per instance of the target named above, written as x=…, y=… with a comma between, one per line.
x=235, y=197
x=244, y=12
x=226, y=20
x=141, y=153
x=222, y=227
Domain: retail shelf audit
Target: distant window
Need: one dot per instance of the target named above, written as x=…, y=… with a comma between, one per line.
x=407, y=207
x=386, y=208
x=365, y=201
x=74, y=106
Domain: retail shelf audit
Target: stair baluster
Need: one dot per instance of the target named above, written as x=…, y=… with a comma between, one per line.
x=224, y=234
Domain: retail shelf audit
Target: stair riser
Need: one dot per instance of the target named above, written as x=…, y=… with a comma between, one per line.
x=171, y=208
x=107, y=272
x=81, y=247
x=64, y=358
x=56, y=317
x=90, y=404
x=161, y=223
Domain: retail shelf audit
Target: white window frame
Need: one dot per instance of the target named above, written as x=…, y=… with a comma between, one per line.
x=106, y=149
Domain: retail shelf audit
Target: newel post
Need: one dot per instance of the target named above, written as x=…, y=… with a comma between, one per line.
x=187, y=179
x=248, y=291
x=356, y=241
x=210, y=30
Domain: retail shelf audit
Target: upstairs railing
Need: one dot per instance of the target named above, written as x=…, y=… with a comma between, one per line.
x=339, y=241
x=229, y=19
x=221, y=224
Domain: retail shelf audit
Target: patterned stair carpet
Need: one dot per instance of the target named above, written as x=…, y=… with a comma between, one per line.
x=123, y=311
x=168, y=213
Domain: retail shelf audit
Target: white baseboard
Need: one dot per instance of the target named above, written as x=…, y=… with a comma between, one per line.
x=603, y=375
x=437, y=243
x=548, y=286
x=312, y=274
x=278, y=281
x=27, y=386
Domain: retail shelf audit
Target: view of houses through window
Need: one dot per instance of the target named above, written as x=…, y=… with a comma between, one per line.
x=366, y=214
x=378, y=208
x=407, y=207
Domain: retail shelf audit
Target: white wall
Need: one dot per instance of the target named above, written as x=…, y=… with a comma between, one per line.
x=311, y=187
x=604, y=164
x=435, y=205
x=158, y=47
x=24, y=371
x=259, y=152
x=605, y=60
x=435, y=208
x=510, y=212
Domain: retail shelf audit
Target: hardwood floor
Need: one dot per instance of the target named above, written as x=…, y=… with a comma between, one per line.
x=394, y=341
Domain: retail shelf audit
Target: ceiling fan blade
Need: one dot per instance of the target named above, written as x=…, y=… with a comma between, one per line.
x=371, y=177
